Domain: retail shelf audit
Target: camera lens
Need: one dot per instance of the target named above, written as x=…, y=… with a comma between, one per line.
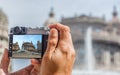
x=17, y=30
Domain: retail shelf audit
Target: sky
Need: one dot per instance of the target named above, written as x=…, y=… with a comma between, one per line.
x=34, y=13
x=24, y=38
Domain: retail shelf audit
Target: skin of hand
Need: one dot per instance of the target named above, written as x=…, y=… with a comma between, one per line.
x=29, y=70
x=60, y=53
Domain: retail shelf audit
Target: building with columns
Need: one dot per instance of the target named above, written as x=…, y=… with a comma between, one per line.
x=106, y=50
x=105, y=39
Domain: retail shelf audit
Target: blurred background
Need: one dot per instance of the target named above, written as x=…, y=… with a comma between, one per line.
x=95, y=29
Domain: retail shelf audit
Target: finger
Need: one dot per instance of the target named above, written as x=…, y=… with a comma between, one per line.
x=35, y=61
x=52, y=41
x=5, y=61
x=2, y=72
x=37, y=64
x=60, y=27
x=35, y=70
x=65, y=37
x=64, y=31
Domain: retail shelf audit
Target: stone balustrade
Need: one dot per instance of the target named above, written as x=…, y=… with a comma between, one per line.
x=106, y=36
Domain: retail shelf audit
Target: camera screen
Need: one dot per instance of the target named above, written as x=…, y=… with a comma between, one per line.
x=27, y=46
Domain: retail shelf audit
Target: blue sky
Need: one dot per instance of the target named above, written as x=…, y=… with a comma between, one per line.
x=35, y=12
x=27, y=38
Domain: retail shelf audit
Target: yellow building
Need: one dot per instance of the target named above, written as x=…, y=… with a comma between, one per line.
x=15, y=47
x=28, y=46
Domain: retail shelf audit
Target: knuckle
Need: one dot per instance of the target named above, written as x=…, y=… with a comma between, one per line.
x=57, y=24
x=64, y=46
x=63, y=27
x=52, y=42
x=73, y=54
x=54, y=36
x=46, y=57
x=67, y=28
x=62, y=43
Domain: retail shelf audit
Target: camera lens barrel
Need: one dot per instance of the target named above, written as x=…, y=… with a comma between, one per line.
x=19, y=30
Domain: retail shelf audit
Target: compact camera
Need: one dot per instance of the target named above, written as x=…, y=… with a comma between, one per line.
x=28, y=42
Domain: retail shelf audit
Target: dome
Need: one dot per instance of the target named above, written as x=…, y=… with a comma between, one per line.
x=51, y=19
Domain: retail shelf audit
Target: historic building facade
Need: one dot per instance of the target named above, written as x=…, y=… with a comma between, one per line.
x=28, y=46
x=39, y=46
x=3, y=32
x=15, y=47
x=106, y=53
x=104, y=33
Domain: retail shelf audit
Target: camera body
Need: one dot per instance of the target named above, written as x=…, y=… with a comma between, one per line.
x=28, y=42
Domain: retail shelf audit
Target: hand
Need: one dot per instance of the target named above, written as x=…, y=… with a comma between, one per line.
x=60, y=54
x=30, y=70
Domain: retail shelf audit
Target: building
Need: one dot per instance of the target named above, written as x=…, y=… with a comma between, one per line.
x=15, y=47
x=39, y=46
x=106, y=52
x=28, y=46
x=114, y=23
x=85, y=21
x=3, y=32
x=51, y=19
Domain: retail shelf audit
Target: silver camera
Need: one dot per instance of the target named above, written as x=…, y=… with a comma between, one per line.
x=28, y=42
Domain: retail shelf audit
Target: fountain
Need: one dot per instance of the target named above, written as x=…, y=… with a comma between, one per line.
x=89, y=60
x=89, y=52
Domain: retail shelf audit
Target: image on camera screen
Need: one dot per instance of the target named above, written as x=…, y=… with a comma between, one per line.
x=27, y=46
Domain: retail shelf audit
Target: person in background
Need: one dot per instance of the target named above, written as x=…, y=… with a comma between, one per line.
x=57, y=60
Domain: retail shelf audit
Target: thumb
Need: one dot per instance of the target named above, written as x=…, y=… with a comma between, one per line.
x=5, y=61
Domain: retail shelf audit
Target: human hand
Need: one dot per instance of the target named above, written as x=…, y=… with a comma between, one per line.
x=60, y=54
x=29, y=70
